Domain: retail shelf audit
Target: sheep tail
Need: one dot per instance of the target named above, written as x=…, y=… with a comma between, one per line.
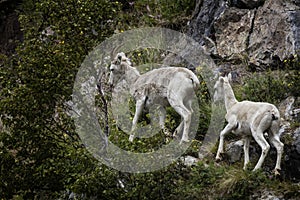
x=275, y=114
x=195, y=81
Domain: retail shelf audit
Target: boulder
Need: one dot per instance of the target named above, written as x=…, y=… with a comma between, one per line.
x=286, y=108
x=189, y=160
x=292, y=158
x=234, y=151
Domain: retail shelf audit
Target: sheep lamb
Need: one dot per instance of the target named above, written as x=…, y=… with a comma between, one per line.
x=248, y=119
x=166, y=86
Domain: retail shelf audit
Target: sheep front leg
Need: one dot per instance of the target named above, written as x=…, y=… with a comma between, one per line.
x=138, y=111
x=186, y=116
x=186, y=127
x=178, y=129
x=162, y=118
x=246, y=151
x=225, y=131
x=274, y=139
x=265, y=147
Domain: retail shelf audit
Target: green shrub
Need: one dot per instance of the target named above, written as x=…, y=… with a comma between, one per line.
x=270, y=86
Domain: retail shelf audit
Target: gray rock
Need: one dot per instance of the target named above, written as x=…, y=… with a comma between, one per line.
x=234, y=151
x=189, y=160
x=201, y=26
x=292, y=158
x=232, y=32
x=286, y=108
x=266, y=195
x=296, y=143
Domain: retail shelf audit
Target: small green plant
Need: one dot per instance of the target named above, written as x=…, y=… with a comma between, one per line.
x=239, y=184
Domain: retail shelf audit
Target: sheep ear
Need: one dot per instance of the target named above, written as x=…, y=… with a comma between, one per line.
x=119, y=59
x=221, y=79
x=229, y=78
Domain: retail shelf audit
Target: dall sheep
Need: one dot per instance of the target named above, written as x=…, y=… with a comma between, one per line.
x=166, y=86
x=248, y=119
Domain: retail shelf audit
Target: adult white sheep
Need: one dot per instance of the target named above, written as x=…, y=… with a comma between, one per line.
x=174, y=86
x=248, y=119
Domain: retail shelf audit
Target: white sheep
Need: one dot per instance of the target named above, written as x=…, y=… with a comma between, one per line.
x=248, y=119
x=166, y=86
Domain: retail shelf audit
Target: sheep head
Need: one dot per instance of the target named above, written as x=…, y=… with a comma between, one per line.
x=219, y=87
x=117, y=68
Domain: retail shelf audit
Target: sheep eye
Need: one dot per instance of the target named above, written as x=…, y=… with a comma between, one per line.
x=112, y=70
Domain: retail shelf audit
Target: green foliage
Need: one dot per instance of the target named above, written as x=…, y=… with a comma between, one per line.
x=41, y=151
x=271, y=86
x=172, y=14
x=41, y=154
x=240, y=184
x=199, y=182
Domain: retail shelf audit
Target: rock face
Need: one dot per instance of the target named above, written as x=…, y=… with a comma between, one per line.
x=201, y=26
x=292, y=159
x=259, y=32
x=232, y=32
x=274, y=34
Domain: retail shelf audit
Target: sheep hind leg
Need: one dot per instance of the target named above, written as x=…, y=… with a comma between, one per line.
x=162, y=118
x=260, y=124
x=265, y=147
x=246, y=151
x=187, y=116
x=275, y=140
x=138, y=111
x=178, y=129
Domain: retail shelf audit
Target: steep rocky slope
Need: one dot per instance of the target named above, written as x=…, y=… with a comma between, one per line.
x=261, y=33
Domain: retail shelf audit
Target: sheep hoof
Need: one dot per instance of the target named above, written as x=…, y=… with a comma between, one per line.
x=131, y=137
x=218, y=158
x=184, y=141
x=277, y=172
x=175, y=133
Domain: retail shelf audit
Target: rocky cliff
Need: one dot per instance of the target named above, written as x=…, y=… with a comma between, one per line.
x=257, y=34
x=261, y=33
